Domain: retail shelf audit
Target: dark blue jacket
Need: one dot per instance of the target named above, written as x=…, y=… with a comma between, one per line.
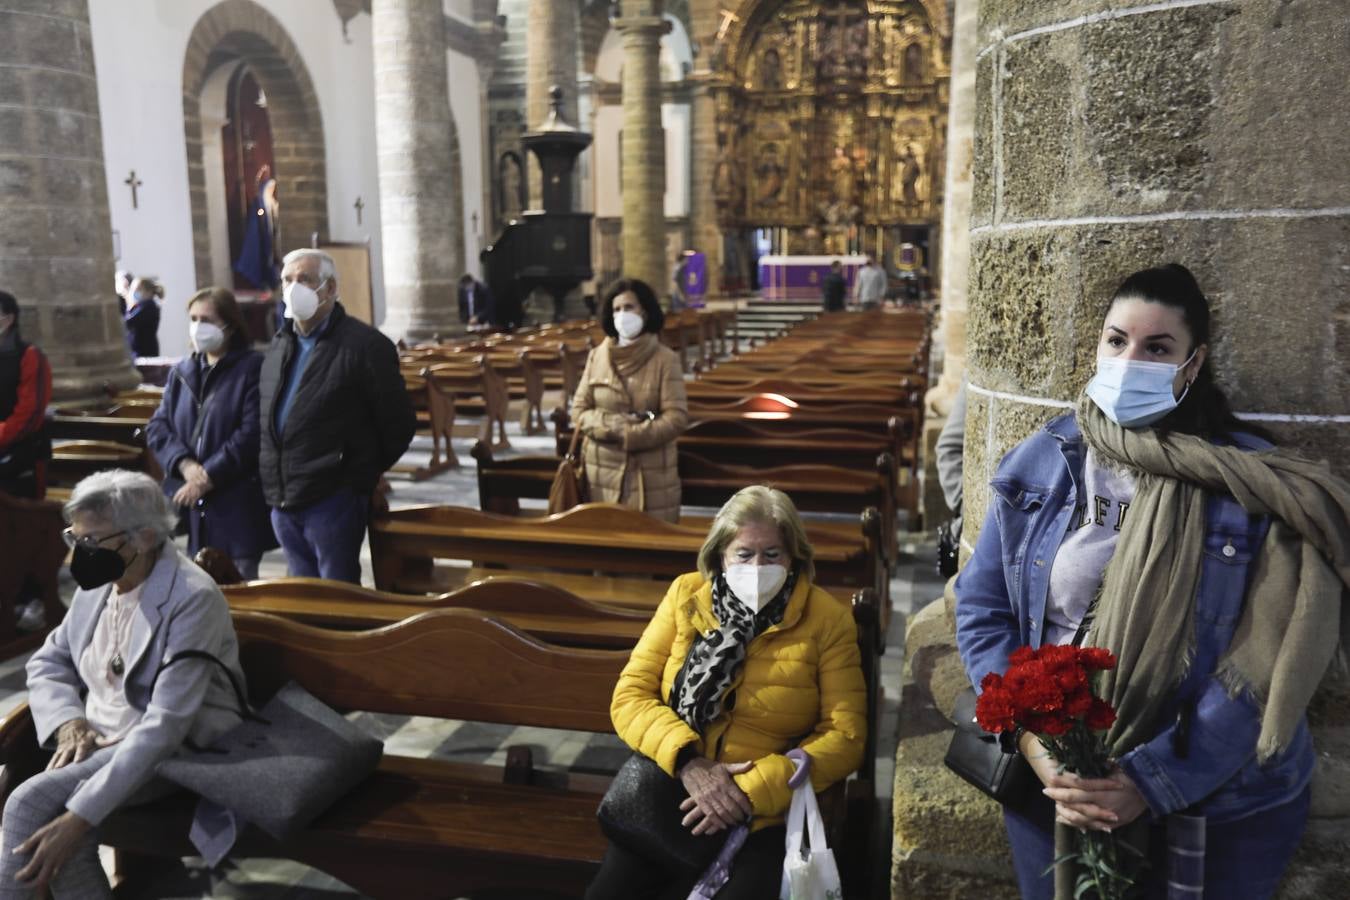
x=142, y=322
x=1000, y=605
x=213, y=418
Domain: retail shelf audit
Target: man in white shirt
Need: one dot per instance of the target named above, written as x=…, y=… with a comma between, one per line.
x=870, y=288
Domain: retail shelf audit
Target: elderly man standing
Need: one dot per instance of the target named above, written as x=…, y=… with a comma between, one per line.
x=870, y=288
x=335, y=416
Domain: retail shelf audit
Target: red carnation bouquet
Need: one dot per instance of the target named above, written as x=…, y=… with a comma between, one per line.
x=1049, y=692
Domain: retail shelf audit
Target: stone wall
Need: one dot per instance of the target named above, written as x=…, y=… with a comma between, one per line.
x=1109, y=138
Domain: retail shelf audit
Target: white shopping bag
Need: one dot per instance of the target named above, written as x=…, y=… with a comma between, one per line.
x=809, y=873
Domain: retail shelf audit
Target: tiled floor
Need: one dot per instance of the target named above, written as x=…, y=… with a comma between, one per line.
x=914, y=584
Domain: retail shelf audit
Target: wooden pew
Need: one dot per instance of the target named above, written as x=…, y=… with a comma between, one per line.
x=566, y=549
x=33, y=552
x=541, y=610
x=74, y=460
x=123, y=424
x=416, y=827
x=436, y=828
x=476, y=387
x=812, y=487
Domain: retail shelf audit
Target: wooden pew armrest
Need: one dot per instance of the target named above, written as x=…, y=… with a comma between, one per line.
x=19, y=751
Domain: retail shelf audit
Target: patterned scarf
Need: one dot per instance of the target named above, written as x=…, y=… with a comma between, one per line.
x=700, y=690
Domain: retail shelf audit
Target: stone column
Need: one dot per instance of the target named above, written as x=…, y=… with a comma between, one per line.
x=550, y=58
x=644, y=151
x=955, y=249
x=1110, y=139
x=420, y=208
x=56, y=252
x=705, y=235
x=955, y=241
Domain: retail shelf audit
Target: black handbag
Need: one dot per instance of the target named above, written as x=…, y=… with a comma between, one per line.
x=948, y=550
x=982, y=760
x=283, y=765
x=641, y=813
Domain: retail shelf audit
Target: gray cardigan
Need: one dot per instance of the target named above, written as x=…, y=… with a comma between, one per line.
x=180, y=608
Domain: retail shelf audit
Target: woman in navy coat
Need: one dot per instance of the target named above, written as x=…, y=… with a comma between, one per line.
x=205, y=435
x=142, y=318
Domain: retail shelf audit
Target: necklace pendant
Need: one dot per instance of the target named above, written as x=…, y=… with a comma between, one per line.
x=117, y=666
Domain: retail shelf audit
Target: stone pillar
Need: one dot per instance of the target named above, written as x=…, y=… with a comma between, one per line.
x=420, y=208
x=55, y=232
x=950, y=340
x=705, y=235
x=1210, y=134
x=1108, y=139
x=955, y=241
x=550, y=58
x=644, y=150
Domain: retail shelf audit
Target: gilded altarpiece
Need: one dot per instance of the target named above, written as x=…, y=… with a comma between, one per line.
x=831, y=118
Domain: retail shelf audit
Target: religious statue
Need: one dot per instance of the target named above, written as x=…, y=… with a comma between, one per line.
x=906, y=186
x=856, y=41
x=770, y=71
x=838, y=218
x=510, y=180
x=726, y=181
x=913, y=64
x=842, y=182
x=770, y=173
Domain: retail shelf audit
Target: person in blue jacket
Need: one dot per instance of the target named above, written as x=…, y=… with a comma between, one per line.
x=142, y=318
x=1152, y=522
x=205, y=435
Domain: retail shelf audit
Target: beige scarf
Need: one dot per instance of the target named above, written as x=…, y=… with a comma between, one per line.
x=1293, y=617
x=627, y=360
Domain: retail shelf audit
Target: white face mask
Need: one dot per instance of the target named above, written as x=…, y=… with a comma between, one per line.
x=628, y=325
x=753, y=585
x=302, y=301
x=207, y=337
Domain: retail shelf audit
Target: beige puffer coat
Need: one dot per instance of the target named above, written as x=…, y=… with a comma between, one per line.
x=629, y=461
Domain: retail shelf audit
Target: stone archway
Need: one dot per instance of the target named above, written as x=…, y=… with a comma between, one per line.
x=242, y=31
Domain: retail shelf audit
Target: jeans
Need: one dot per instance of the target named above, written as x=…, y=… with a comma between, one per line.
x=323, y=539
x=756, y=873
x=1243, y=858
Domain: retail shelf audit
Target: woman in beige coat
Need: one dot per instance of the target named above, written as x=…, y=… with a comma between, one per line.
x=630, y=407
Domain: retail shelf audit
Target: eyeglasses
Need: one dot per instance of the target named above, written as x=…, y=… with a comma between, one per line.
x=88, y=542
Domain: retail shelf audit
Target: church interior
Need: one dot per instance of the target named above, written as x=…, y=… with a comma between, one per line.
x=867, y=228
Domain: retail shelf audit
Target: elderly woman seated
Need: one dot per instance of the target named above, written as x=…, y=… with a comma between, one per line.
x=744, y=660
x=93, y=689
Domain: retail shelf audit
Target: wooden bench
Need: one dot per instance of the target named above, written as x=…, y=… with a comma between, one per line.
x=812, y=487
x=546, y=612
x=33, y=552
x=477, y=388
x=595, y=537
x=75, y=460
x=417, y=827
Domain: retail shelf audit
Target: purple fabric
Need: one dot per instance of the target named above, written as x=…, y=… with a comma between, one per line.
x=719, y=872
x=695, y=275
x=799, y=280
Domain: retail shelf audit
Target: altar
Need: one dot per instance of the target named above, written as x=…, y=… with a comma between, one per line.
x=798, y=278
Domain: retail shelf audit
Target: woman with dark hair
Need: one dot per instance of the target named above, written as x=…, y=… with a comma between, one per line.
x=630, y=406
x=25, y=391
x=1154, y=523
x=205, y=435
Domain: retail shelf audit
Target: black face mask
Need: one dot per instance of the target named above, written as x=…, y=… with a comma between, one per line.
x=97, y=567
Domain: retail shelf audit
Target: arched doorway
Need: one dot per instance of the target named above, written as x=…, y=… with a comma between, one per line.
x=248, y=164
x=236, y=44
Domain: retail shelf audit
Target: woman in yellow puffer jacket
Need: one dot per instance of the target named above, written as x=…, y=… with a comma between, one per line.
x=743, y=661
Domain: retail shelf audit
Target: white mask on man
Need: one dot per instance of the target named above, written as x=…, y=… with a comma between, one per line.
x=207, y=337
x=302, y=301
x=755, y=585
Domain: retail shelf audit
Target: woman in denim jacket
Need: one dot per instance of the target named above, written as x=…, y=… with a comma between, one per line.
x=1207, y=725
